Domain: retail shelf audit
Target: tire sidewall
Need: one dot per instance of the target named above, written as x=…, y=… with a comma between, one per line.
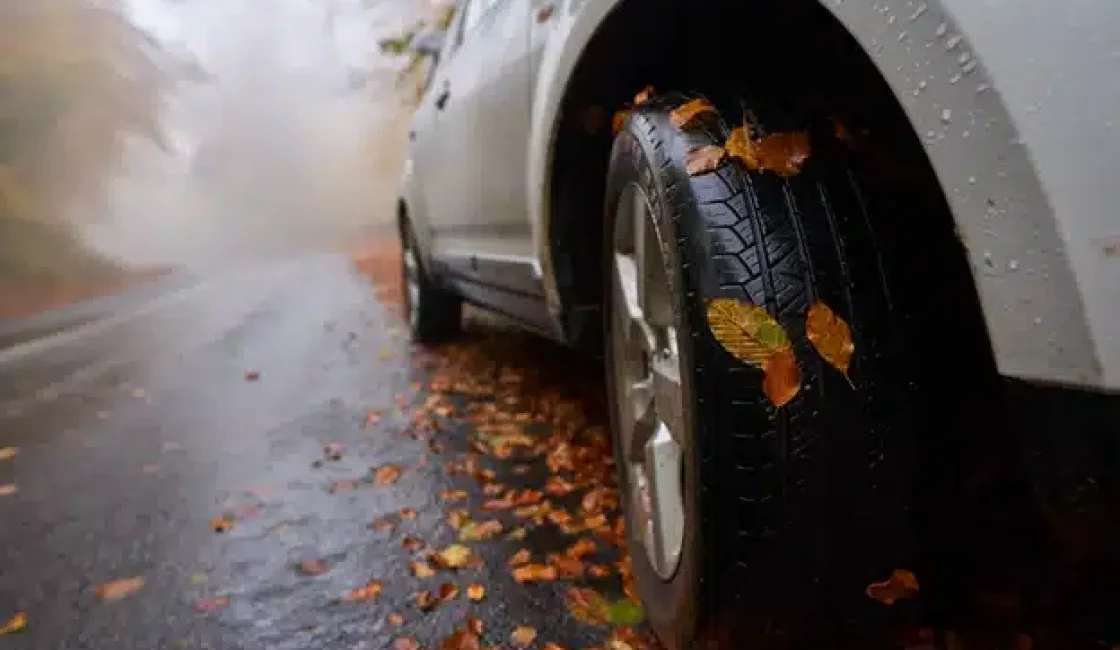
x=672, y=606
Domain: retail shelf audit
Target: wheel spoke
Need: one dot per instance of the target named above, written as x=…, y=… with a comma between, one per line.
x=635, y=329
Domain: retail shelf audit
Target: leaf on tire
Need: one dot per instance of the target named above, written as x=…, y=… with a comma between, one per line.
x=782, y=153
x=688, y=114
x=831, y=336
x=752, y=336
x=618, y=122
x=703, y=159
x=17, y=623
x=643, y=95
x=901, y=585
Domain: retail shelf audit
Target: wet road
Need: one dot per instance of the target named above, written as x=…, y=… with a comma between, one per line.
x=133, y=435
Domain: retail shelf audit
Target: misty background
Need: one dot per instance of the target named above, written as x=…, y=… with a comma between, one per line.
x=138, y=136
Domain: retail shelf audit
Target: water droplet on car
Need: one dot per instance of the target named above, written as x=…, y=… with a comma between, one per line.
x=969, y=66
x=954, y=79
x=946, y=116
x=902, y=35
x=953, y=42
x=1013, y=265
x=964, y=58
x=921, y=9
x=942, y=29
x=971, y=180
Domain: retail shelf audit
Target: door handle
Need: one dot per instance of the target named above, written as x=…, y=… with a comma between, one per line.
x=442, y=97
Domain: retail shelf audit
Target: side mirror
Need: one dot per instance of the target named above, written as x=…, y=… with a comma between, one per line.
x=428, y=43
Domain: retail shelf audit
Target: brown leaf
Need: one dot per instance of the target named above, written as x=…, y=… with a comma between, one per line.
x=451, y=496
x=476, y=592
x=422, y=569
x=566, y=567
x=556, y=486
x=534, y=573
x=412, y=544
x=395, y=619
x=523, y=636
x=372, y=418
x=345, y=485
x=643, y=95
x=544, y=13
x=553, y=646
x=782, y=153
x=448, y=591
x=493, y=489
x=207, y=605
x=746, y=331
x=221, y=524
x=704, y=159
x=369, y=592
x=690, y=113
x=312, y=567
x=252, y=375
x=474, y=624
x=8, y=453
x=387, y=474
x=406, y=643
x=582, y=548
x=408, y=513
x=118, y=589
x=478, y=531
x=618, y=122
x=599, y=571
x=425, y=601
x=17, y=623
x=831, y=336
x=901, y=585
x=8, y=489
x=383, y=525
x=782, y=380
x=521, y=557
x=455, y=556
x=463, y=638
x=333, y=451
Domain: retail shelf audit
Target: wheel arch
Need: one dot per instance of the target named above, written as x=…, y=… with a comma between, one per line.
x=1035, y=316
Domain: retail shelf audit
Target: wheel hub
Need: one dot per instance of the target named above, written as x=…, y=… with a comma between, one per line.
x=647, y=382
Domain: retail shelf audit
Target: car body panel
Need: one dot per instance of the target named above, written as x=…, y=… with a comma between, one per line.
x=1021, y=138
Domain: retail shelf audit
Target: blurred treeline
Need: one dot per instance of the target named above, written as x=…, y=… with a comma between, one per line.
x=78, y=84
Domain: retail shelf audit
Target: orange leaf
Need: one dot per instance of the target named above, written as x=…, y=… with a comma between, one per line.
x=523, y=636
x=901, y=585
x=476, y=592
x=782, y=153
x=703, y=159
x=119, y=588
x=448, y=591
x=387, y=475
x=739, y=145
x=395, y=619
x=643, y=95
x=221, y=524
x=372, y=418
x=582, y=548
x=782, y=380
x=452, y=496
x=369, y=592
x=17, y=623
x=312, y=567
x=553, y=646
x=455, y=556
x=207, y=605
x=382, y=525
x=688, y=114
x=463, y=638
x=422, y=569
x=411, y=544
x=618, y=122
x=534, y=573
x=521, y=557
x=831, y=336
x=425, y=601
x=587, y=606
x=406, y=643
x=8, y=489
x=408, y=513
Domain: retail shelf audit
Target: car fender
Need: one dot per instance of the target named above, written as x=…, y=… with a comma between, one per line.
x=1022, y=141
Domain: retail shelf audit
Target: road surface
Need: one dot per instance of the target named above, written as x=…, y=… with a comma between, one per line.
x=132, y=437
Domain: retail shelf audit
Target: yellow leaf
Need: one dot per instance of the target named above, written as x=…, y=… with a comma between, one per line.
x=476, y=592
x=17, y=623
x=703, y=159
x=690, y=113
x=740, y=146
x=455, y=556
x=831, y=336
x=119, y=588
x=523, y=636
x=782, y=153
x=782, y=379
x=747, y=331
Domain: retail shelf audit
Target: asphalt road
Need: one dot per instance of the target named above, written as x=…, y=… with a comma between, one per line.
x=131, y=434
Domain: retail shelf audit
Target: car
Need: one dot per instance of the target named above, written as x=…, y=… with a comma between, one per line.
x=853, y=271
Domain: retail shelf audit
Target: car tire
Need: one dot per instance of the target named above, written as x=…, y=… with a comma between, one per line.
x=788, y=513
x=433, y=313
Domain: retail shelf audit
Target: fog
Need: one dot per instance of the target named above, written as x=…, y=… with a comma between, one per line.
x=279, y=128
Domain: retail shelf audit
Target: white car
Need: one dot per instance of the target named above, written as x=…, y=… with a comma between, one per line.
x=940, y=174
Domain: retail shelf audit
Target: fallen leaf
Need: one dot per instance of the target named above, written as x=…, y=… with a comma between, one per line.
x=598, y=571
x=462, y=638
x=8, y=489
x=474, y=624
x=372, y=418
x=553, y=646
x=534, y=573
x=118, y=589
x=781, y=380
x=333, y=451
x=422, y=569
x=408, y=513
x=521, y=557
x=207, y=605
x=455, y=556
x=412, y=544
x=406, y=643
x=493, y=489
x=566, y=567
x=252, y=375
x=458, y=518
x=517, y=533
x=448, y=591
x=582, y=548
x=477, y=531
x=425, y=601
x=7, y=453
x=901, y=585
x=17, y=623
x=451, y=496
x=703, y=159
x=644, y=95
x=370, y=591
x=751, y=335
x=476, y=592
x=395, y=619
x=345, y=485
x=831, y=337
x=387, y=475
x=312, y=567
x=782, y=153
x=523, y=636
x=221, y=524
x=618, y=121
x=689, y=114
x=383, y=525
